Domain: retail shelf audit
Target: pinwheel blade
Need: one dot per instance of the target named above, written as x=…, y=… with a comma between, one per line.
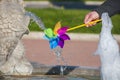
x=61, y=43
x=62, y=30
x=53, y=42
x=57, y=27
x=48, y=32
x=64, y=37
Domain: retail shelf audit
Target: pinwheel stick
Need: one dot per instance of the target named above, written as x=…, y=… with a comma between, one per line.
x=79, y=26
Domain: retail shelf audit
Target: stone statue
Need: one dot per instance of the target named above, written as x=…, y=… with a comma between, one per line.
x=108, y=50
x=13, y=25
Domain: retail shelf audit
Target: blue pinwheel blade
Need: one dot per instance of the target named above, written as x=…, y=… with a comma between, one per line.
x=54, y=43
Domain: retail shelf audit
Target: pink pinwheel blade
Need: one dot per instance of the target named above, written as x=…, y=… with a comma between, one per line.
x=61, y=43
x=64, y=37
x=62, y=30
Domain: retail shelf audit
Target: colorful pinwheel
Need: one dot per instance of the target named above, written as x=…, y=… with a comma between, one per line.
x=56, y=37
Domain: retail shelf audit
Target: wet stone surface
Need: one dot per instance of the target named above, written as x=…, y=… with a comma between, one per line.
x=69, y=70
x=48, y=78
x=43, y=72
x=39, y=78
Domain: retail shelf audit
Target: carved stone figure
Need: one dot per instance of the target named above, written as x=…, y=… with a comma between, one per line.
x=13, y=25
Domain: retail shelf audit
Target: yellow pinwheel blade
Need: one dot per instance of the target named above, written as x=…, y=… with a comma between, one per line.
x=57, y=26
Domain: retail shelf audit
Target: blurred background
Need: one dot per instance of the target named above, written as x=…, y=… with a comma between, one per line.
x=69, y=12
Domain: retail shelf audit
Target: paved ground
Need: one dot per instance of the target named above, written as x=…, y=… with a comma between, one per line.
x=77, y=52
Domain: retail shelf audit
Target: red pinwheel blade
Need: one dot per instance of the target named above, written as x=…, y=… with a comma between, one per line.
x=62, y=30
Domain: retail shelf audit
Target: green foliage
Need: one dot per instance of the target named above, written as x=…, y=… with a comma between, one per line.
x=69, y=18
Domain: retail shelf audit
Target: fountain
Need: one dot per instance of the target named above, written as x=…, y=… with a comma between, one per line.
x=13, y=64
x=108, y=50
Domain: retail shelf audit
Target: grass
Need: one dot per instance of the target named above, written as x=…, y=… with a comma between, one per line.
x=69, y=18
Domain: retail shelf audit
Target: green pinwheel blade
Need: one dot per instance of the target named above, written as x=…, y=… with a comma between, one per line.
x=49, y=32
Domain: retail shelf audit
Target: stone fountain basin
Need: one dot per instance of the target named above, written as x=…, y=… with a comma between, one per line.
x=70, y=70
x=45, y=72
